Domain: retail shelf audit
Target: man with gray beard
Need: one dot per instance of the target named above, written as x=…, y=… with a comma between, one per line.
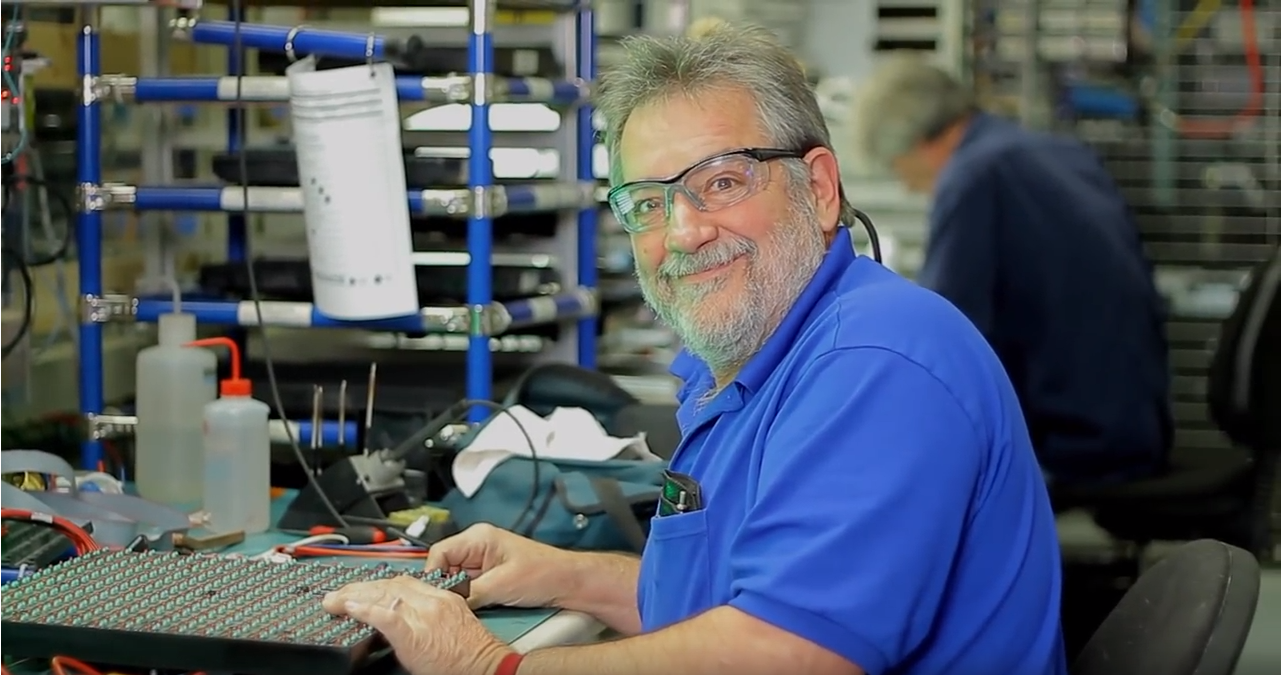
x=855, y=491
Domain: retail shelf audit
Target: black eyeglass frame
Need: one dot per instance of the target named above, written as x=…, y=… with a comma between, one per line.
x=759, y=155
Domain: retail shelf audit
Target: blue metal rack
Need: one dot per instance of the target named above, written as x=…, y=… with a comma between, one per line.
x=482, y=201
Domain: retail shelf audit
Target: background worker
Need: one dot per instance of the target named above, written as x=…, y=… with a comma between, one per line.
x=1032, y=240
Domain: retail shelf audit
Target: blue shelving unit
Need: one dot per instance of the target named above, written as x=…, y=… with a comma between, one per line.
x=480, y=318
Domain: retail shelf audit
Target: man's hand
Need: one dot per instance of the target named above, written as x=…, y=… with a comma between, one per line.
x=432, y=631
x=506, y=568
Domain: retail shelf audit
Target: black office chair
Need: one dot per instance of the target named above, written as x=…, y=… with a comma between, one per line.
x=1223, y=495
x=547, y=386
x=1189, y=614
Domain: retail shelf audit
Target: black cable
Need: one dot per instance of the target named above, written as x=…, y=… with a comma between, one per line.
x=242, y=138
x=64, y=203
x=873, y=240
x=28, y=302
x=457, y=412
x=528, y=509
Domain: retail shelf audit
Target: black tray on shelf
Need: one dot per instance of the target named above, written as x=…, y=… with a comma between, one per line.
x=278, y=167
x=436, y=61
x=291, y=280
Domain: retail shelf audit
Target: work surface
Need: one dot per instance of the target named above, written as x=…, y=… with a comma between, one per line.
x=523, y=629
x=508, y=625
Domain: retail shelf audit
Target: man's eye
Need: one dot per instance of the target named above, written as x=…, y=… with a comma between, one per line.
x=648, y=206
x=723, y=183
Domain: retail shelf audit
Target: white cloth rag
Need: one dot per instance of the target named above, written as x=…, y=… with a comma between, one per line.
x=568, y=433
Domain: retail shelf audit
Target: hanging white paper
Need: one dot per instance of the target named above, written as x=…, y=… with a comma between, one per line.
x=347, y=134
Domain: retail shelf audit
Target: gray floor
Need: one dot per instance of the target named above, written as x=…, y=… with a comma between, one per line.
x=1262, y=654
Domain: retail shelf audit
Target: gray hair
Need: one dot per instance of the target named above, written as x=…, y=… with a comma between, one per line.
x=718, y=56
x=905, y=101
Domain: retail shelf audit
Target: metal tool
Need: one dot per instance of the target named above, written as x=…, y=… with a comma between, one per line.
x=318, y=398
x=369, y=407
x=342, y=417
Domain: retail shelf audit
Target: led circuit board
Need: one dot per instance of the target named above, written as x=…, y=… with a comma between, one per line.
x=194, y=613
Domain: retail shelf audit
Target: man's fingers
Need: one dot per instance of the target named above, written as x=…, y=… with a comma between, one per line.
x=480, y=590
x=383, y=619
x=438, y=559
x=364, y=593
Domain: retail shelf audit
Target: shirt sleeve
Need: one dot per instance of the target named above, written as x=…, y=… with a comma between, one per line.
x=961, y=254
x=866, y=481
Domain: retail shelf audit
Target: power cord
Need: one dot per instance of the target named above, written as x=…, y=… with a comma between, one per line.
x=64, y=204
x=81, y=539
x=458, y=412
x=242, y=139
x=874, y=242
x=28, y=301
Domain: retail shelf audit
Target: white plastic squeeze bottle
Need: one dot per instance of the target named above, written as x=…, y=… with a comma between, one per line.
x=237, y=490
x=174, y=383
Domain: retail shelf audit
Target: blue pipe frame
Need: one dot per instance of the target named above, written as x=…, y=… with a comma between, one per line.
x=89, y=230
x=306, y=41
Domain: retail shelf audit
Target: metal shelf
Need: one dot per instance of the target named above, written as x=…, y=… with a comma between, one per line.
x=480, y=319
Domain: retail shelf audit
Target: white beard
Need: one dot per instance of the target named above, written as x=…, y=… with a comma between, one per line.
x=727, y=331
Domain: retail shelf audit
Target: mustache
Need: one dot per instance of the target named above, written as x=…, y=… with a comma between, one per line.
x=677, y=265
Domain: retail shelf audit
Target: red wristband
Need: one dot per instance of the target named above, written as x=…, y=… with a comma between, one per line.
x=509, y=664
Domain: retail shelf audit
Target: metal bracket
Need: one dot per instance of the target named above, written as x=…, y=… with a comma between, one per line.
x=451, y=89
x=487, y=201
x=118, y=88
x=104, y=426
x=182, y=26
x=90, y=197
x=482, y=88
x=88, y=90
x=101, y=197
x=480, y=202
x=105, y=308
x=480, y=320
x=452, y=202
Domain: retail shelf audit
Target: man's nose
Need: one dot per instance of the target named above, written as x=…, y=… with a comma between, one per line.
x=689, y=230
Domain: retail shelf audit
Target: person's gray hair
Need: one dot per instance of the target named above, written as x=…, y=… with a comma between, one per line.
x=905, y=101
x=717, y=56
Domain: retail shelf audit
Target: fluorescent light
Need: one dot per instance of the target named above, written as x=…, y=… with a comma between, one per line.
x=419, y=17
x=509, y=163
x=503, y=117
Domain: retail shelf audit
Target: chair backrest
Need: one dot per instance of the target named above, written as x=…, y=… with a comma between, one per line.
x=1189, y=614
x=551, y=385
x=657, y=421
x=1241, y=390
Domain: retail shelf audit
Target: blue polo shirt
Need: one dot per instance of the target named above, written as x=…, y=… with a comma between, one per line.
x=1031, y=239
x=868, y=486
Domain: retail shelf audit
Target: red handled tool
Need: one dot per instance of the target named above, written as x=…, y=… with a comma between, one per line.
x=360, y=535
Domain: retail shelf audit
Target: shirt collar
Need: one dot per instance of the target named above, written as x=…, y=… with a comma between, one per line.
x=979, y=124
x=694, y=372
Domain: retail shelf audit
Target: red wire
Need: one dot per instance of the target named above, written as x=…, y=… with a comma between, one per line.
x=82, y=540
x=323, y=552
x=1221, y=128
x=65, y=665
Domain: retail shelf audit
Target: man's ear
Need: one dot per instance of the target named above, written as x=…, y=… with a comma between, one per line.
x=825, y=186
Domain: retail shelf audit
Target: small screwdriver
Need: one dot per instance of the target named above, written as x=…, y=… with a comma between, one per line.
x=357, y=535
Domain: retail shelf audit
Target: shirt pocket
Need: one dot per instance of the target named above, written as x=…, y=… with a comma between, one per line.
x=676, y=570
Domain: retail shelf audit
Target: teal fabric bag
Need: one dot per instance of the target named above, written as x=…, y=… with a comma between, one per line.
x=593, y=506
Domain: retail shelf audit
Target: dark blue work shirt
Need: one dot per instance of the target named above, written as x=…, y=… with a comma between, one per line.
x=868, y=486
x=1031, y=239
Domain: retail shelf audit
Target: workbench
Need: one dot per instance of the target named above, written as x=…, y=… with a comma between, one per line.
x=523, y=629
